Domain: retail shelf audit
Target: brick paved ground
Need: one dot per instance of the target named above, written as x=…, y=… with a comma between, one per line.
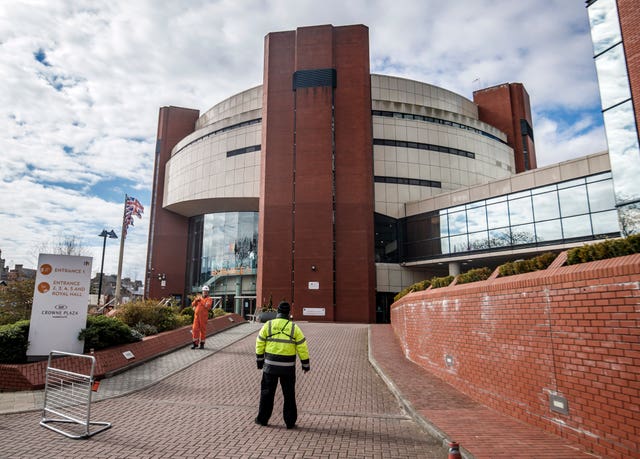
x=207, y=410
x=483, y=432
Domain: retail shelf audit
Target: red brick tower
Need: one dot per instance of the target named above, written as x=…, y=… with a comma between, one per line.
x=507, y=107
x=629, y=15
x=168, y=231
x=316, y=201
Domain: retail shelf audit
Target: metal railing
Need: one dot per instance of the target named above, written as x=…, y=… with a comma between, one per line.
x=67, y=396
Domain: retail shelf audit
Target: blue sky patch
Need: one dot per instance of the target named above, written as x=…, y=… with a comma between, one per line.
x=41, y=57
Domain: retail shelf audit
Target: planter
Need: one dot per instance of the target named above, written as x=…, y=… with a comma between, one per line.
x=111, y=361
x=266, y=316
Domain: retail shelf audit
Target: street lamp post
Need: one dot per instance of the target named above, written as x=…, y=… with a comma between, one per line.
x=112, y=235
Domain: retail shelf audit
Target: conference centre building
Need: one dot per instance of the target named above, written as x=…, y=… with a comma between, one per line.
x=334, y=188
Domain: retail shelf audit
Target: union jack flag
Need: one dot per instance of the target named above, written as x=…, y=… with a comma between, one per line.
x=132, y=207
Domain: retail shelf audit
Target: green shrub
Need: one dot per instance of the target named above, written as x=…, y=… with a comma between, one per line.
x=188, y=313
x=474, y=275
x=402, y=293
x=438, y=282
x=148, y=312
x=103, y=332
x=609, y=248
x=145, y=329
x=526, y=266
x=634, y=240
x=217, y=312
x=14, y=341
x=417, y=287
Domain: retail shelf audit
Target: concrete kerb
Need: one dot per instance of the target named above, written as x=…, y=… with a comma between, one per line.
x=406, y=405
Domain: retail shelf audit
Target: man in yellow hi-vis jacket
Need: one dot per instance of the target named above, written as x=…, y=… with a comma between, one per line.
x=277, y=345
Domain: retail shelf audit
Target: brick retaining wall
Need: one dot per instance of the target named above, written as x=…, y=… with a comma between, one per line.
x=511, y=343
x=31, y=376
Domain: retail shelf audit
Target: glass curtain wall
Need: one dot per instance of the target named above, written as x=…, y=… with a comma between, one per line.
x=579, y=209
x=617, y=110
x=223, y=252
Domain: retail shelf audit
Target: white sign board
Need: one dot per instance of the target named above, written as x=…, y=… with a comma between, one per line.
x=314, y=285
x=313, y=311
x=60, y=301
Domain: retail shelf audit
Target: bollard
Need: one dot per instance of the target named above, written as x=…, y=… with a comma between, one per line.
x=454, y=450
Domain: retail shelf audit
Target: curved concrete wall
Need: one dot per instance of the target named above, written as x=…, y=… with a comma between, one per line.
x=493, y=159
x=200, y=177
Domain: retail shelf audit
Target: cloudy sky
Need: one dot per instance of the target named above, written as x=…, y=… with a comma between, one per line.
x=82, y=82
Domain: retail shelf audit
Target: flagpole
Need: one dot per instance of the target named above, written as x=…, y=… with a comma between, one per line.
x=124, y=236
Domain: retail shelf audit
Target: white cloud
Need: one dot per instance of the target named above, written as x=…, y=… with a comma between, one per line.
x=107, y=66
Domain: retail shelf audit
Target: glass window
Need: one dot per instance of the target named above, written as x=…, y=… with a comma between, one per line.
x=612, y=77
x=571, y=183
x=601, y=196
x=497, y=215
x=573, y=201
x=520, y=194
x=545, y=206
x=550, y=230
x=520, y=211
x=523, y=234
x=598, y=177
x=544, y=189
x=605, y=28
x=386, y=237
x=576, y=226
x=229, y=245
x=457, y=223
x=499, y=238
x=605, y=222
x=479, y=240
x=444, y=245
x=477, y=219
x=444, y=227
x=624, y=152
x=496, y=200
x=459, y=243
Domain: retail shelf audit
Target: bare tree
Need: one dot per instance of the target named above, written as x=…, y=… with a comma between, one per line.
x=629, y=217
x=68, y=245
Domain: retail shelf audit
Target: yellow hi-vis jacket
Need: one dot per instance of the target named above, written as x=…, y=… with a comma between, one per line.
x=277, y=345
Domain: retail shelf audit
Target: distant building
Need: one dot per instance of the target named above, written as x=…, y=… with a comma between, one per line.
x=4, y=270
x=130, y=289
x=19, y=273
x=335, y=188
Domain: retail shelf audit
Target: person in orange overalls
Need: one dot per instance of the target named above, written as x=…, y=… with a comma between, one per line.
x=201, y=305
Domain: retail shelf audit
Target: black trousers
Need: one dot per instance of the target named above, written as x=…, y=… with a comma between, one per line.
x=268, y=388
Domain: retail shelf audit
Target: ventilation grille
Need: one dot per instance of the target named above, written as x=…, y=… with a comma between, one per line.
x=314, y=78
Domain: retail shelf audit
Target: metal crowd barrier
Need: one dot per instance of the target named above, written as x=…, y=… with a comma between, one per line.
x=67, y=396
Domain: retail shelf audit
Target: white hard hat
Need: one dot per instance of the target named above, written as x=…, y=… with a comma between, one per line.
x=205, y=288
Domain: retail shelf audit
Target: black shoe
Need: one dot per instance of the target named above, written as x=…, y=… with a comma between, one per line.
x=201, y=345
x=291, y=426
x=193, y=346
x=259, y=422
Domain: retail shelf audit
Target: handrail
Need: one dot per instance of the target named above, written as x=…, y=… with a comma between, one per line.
x=99, y=311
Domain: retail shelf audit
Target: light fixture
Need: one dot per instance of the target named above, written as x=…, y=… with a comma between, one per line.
x=111, y=235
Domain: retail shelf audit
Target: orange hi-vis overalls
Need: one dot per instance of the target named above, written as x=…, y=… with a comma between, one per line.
x=201, y=307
